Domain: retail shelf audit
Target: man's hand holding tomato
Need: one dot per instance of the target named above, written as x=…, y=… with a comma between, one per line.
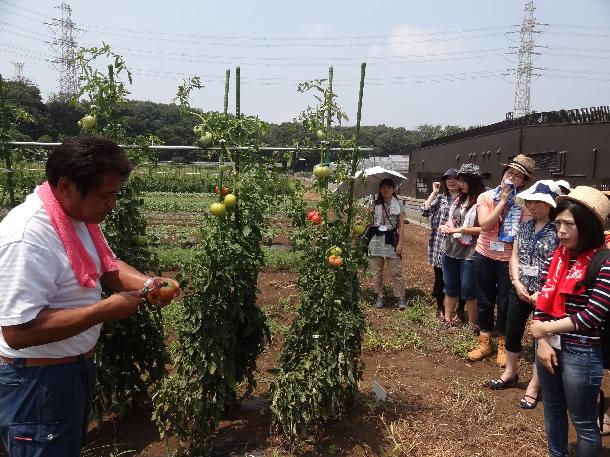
x=161, y=291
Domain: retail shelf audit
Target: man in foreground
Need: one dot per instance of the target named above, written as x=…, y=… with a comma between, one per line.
x=54, y=261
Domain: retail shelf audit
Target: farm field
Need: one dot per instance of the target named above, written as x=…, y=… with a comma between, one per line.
x=438, y=403
x=273, y=348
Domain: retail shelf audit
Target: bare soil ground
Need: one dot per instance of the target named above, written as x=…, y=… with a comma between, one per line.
x=438, y=403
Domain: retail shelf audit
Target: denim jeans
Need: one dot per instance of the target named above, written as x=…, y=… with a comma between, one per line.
x=573, y=388
x=492, y=285
x=458, y=276
x=44, y=411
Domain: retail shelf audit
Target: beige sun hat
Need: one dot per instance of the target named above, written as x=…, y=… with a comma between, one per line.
x=595, y=200
x=523, y=164
x=544, y=190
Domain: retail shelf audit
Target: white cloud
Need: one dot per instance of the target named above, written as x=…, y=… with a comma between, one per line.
x=407, y=41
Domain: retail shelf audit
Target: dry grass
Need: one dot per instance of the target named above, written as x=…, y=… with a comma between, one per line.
x=470, y=425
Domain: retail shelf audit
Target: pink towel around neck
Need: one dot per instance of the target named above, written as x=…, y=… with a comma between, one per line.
x=82, y=264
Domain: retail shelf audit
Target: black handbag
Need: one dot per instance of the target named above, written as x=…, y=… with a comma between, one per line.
x=369, y=233
x=391, y=237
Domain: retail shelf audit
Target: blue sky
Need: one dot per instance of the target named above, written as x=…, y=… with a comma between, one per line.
x=435, y=62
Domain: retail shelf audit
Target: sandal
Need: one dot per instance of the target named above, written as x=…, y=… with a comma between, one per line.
x=498, y=384
x=606, y=426
x=529, y=402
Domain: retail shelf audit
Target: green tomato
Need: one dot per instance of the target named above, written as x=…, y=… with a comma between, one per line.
x=198, y=130
x=88, y=122
x=335, y=250
x=230, y=200
x=321, y=171
x=321, y=134
x=205, y=139
x=358, y=229
x=218, y=209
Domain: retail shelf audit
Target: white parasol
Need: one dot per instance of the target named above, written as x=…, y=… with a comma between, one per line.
x=366, y=182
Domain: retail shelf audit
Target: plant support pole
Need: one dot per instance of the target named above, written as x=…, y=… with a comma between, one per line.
x=237, y=152
x=5, y=148
x=227, y=77
x=356, y=152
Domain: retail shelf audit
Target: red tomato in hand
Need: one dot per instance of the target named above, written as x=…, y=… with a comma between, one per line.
x=162, y=294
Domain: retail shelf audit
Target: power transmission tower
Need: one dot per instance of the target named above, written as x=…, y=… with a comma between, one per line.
x=525, y=68
x=65, y=45
x=19, y=71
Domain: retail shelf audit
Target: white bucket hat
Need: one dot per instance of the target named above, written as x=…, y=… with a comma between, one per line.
x=563, y=184
x=544, y=190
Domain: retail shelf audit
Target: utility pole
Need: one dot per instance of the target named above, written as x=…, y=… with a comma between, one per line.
x=525, y=68
x=65, y=45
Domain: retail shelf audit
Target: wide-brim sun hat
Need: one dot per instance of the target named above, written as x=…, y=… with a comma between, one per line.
x=472, y=169
x=594, y=200
x=451, y=173
x=522, y=164
x=544, y=190
x=562, y=183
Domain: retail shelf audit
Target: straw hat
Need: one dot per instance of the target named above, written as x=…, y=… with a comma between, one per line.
x=543, y=191
x=595, y=200
x=522, y=164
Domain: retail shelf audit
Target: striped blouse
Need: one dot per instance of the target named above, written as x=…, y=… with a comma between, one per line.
x=587, y=311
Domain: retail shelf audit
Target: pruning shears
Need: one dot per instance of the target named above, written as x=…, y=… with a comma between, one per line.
x=154, y=285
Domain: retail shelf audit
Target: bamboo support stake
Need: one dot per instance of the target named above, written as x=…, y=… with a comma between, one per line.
x=237, y=152
x=5, y=148
x=356, y=152
x=227, y=78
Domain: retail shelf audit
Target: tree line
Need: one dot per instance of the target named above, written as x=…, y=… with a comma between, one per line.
x=32, y=119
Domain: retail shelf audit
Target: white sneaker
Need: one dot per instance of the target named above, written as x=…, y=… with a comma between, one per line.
x=379, y=302
x=402, y=304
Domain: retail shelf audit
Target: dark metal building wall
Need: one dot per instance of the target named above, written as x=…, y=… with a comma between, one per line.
x=561, y=151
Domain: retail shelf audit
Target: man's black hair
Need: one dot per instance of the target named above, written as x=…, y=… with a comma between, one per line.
x=85, y=160
x=590, y=231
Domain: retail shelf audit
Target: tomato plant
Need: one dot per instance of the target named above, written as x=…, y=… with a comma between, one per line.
x=130, y=354
x=320, y=365
x=220, y=330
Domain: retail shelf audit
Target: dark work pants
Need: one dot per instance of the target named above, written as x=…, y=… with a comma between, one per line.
x=44, y=411
x=493, y=284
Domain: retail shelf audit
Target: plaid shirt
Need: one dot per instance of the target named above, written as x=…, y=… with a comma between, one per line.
x=438, y=214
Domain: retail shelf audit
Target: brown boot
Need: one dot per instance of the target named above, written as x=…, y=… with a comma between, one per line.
x=482, y=350
x=501, y=359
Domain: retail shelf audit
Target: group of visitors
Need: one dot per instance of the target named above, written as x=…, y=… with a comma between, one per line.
x=520, y=249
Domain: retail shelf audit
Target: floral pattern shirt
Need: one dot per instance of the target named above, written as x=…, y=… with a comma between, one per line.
x=438, y=214
x=533, y=251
